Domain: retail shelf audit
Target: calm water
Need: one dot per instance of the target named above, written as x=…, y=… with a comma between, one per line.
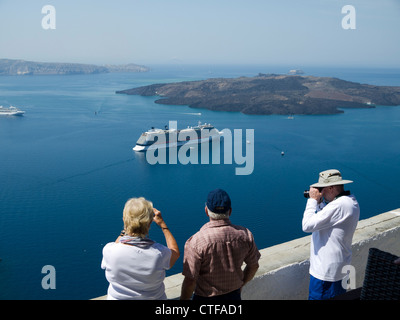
x=67, y=168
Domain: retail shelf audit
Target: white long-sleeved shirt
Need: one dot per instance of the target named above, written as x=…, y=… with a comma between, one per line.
x=332, y=228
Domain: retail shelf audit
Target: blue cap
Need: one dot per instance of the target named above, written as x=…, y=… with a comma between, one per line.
x=218, y=201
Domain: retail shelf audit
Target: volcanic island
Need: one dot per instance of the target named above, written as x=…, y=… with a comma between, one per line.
x=267, y=94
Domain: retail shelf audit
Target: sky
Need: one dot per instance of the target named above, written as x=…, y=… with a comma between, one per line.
x=269, y=32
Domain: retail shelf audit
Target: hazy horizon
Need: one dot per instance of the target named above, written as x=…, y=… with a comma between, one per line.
x=157, y=32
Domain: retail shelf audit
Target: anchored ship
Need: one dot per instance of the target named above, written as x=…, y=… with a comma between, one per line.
x=164, y=138
x=11, y=111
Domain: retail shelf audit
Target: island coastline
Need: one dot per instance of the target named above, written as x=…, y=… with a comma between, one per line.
x=267, y=94
x=12, y=67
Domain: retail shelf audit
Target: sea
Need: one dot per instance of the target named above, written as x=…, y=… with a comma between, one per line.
x=67, y=168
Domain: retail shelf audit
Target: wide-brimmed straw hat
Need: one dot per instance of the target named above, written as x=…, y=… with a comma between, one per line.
x=328, y=178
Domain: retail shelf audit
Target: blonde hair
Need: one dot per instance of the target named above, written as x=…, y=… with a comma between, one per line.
x=137, y=216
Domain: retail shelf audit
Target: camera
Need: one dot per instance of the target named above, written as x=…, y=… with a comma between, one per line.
x=306, y=193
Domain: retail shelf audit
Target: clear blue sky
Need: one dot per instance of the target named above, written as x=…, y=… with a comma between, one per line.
x=285, y=32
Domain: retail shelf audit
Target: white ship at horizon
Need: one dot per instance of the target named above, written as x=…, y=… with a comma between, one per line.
x=11, y=111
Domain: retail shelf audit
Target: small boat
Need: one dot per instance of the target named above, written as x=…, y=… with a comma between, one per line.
x=295, y=72
x=11, y=111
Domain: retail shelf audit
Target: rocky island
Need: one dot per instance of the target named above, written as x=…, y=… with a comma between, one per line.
x=21, y=67
x=272, y=94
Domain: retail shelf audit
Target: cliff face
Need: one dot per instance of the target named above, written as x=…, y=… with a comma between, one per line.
x=272, y=94
x=21, y=67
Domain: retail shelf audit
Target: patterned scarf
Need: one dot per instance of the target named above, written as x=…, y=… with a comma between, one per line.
x=136, y=241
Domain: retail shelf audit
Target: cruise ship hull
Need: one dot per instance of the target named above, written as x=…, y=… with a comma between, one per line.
x=141, y=148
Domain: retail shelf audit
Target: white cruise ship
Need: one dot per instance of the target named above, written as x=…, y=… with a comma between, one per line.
x=164, y=138
x=11, y=111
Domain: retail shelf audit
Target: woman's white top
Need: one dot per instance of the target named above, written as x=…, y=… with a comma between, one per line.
x=134, y=272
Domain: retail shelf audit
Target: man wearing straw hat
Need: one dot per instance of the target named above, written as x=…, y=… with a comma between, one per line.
x=331, y=215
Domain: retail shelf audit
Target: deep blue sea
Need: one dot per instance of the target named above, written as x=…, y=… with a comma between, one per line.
x=67, y=168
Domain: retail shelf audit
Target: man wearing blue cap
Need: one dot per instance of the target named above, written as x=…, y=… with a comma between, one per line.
x=214, y=256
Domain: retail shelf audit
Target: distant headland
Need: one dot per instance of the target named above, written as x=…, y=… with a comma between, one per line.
x=10, y=67
x=272, y=94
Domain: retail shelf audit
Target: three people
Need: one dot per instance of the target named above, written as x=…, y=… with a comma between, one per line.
x=213, y=257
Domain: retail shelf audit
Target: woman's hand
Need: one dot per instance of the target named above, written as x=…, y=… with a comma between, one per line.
x=158, y=219
x=169, y=238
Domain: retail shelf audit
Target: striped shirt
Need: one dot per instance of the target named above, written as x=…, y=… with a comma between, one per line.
x=214, y=257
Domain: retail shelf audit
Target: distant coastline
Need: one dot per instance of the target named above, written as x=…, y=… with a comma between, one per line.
x=268, y=94
x=11, y=67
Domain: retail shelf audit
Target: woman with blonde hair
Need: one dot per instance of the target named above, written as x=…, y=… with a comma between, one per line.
x=135, y=265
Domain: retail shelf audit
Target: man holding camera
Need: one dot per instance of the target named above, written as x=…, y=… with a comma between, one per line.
x=331, y=215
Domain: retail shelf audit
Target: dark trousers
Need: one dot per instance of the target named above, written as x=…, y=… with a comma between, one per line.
x=322, y=290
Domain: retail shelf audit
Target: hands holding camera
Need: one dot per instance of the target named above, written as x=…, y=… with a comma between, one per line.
x=314, y=193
